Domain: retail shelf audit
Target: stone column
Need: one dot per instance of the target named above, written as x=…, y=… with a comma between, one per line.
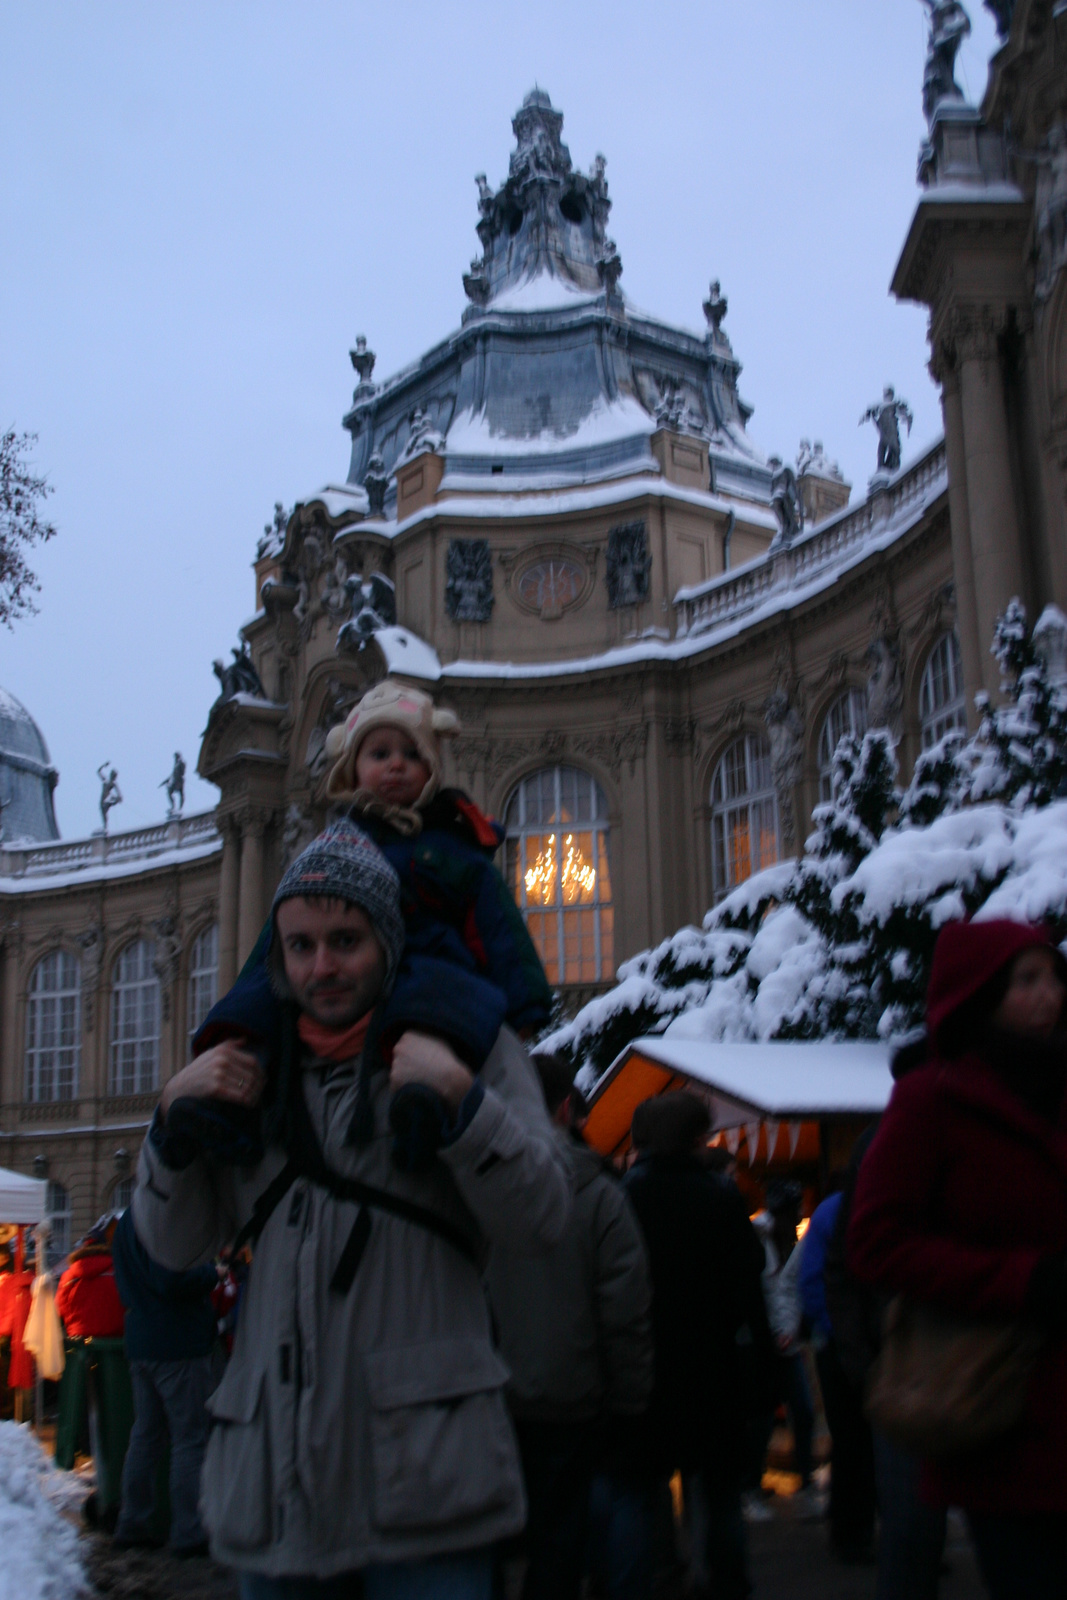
x=947, y=374
x=250, y=893
x=996, y=549
x=231, y=851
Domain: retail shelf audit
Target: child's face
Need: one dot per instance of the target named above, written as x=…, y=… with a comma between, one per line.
x=388, y=764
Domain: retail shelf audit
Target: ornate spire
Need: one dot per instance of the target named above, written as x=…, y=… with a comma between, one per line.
x=545, y=218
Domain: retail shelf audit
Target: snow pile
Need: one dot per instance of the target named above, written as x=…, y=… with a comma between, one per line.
x=839, y=943
x=42, y=1560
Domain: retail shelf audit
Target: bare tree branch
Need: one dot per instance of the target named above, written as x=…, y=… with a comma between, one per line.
x=21, y=493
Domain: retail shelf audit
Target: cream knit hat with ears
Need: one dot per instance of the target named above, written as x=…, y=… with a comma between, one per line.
x=391, y=705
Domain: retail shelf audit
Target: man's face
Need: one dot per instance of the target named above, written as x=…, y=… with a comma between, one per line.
x=332, y=958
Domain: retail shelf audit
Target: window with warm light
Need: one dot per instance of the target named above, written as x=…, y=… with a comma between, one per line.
x=942, y=700
x=557, y=868
x=848, y=714
x=744, y=813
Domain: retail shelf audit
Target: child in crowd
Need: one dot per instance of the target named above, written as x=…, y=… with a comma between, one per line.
x=468, y=962
x=456, y=906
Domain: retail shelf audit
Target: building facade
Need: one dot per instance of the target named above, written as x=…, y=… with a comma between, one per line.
x=653, y=636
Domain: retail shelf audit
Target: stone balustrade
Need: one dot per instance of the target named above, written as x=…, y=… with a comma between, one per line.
x=891, y=505
x=102, y=849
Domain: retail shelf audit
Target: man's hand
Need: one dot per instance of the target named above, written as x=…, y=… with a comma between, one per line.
x=420, y=1058
x=225, y=1072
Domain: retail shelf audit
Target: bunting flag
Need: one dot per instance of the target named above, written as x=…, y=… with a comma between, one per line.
x=733, y=1139
x=752, y=1136
x=772, y=1125
x=794, y=1138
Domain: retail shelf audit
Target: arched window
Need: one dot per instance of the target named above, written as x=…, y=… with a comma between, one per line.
x=942, y=701
x=135, y=1020
x=744, y=813
x=203, y=975
x=848, y=714
x=54, y=1028
x=557, y=869
x=57, y=1210
x=122, y=1193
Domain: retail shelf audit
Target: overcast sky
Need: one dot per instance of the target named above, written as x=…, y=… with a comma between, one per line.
x=202, y=204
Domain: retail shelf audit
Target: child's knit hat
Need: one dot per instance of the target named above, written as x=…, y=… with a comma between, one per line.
x=392, y=705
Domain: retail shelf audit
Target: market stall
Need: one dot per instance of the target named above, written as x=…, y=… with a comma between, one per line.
x=22, y=1206
x=792, y=1107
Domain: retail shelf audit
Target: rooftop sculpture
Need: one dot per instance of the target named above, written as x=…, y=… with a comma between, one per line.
x=110, y=794
x=949, y=26
x=174, y=783
x=886, y=417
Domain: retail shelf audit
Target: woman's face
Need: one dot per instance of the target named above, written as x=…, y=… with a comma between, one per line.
x=1034, y=1000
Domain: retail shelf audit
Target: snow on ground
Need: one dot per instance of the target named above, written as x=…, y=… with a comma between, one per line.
x=41, y=1552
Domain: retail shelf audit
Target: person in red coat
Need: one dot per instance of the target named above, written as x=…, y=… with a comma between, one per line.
x=961, y=1202
x=87, y=1299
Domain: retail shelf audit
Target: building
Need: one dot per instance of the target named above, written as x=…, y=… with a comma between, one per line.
x=653, y=636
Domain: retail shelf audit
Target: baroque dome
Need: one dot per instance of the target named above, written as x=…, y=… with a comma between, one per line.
x=27, y=777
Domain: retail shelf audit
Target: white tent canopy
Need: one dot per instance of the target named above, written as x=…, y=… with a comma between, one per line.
x=784, y=1080
x=21, y=1199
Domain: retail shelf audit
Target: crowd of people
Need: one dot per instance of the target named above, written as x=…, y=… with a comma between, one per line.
x=472, y=1358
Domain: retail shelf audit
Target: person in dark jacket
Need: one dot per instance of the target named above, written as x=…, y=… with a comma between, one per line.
x=911, y=1533
x=961, y=1203
x=169, y=1337
x=852, y=1497
x=457, y=908
x=707, y=1308
x=575, y=1327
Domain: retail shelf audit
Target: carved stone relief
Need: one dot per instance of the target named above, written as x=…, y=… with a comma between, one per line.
x=628, y=565
x=469, y=580
x=885, y=685
x=91, y=946
x=785, y=734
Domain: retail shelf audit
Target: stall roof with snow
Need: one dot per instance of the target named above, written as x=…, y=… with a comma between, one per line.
x=774, y=1084
x=21, y=1199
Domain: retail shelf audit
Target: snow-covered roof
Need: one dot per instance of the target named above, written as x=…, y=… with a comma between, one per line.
x=340, y=499
x=620, y=419
x=790, y=1080
x=407, y=654
x=22, y=1199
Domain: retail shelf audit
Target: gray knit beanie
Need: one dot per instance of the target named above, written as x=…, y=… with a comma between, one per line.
x=344, y=864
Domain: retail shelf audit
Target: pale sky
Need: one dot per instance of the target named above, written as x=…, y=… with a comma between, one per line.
x=204, y=203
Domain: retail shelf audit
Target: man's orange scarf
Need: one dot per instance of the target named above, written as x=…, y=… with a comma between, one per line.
x=333, y=1044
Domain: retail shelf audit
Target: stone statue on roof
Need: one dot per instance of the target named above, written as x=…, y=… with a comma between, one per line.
x=239, y=677
x=785, y=501
x=110, y=794
x=886, y=417
x=949, y=26
x=174, y=784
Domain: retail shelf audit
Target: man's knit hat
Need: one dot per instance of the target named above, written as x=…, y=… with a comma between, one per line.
x=391, y=705
x=343, y=864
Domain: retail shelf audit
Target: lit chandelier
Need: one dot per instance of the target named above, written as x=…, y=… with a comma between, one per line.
x=578, y=876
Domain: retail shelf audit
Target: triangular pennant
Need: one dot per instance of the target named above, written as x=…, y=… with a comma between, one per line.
x=752, y=1136
x=733, y=1139
x=771, y=1126
x=794, y=1138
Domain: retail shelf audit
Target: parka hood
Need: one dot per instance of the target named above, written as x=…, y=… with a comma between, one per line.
x=968, y=954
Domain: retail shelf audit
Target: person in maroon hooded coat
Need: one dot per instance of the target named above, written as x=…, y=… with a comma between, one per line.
x=961, y=1202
